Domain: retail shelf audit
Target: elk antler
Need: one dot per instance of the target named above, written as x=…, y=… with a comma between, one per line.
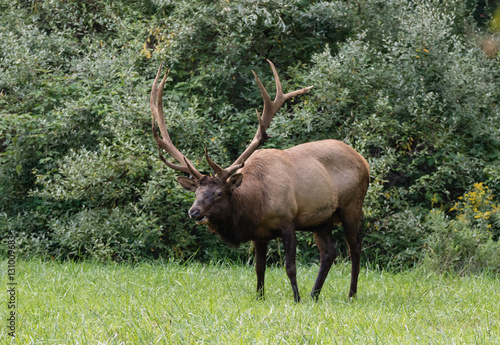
x=155, y=102
x=270, y=109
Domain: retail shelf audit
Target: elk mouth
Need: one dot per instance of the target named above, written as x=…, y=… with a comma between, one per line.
x=202, y=220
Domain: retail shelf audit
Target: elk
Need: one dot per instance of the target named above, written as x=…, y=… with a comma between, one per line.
x=269, y=193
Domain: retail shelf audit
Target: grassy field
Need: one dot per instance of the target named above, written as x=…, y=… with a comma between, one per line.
x=168, y=303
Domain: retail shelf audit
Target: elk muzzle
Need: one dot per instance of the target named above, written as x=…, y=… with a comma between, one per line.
x=195, y=213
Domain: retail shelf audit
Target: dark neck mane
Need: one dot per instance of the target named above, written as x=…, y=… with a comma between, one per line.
x=238, y=223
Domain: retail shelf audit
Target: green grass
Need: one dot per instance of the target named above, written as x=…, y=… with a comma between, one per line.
x=168, y=303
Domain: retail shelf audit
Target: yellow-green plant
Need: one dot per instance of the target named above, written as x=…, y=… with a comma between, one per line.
x=477, y=208
x=466, y=239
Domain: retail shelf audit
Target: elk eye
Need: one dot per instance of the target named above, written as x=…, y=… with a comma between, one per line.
x=219, y=194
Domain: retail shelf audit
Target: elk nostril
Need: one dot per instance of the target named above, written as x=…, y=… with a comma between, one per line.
x=194, y=213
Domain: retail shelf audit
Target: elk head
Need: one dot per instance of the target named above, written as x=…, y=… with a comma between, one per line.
x=213, y=193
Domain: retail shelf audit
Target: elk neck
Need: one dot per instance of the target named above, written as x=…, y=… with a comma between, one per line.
x=238, y=221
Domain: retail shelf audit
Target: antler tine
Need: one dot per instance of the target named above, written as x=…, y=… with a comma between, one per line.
x=156, y=105
x=280, y=96
x=218, y=170
x=279, y=91
x=265, y=96
x=270, y=109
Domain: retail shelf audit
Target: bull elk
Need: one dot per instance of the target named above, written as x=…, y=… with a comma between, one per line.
x=269, y=193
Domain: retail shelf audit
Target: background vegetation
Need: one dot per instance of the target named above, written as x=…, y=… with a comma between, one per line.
x=413, y=86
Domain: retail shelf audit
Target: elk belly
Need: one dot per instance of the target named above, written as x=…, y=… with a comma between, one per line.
x=314, y=217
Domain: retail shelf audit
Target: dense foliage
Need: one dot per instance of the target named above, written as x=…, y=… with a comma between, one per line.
x=413, y=86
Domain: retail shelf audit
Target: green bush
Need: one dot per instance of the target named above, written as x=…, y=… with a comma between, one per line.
x=117, y=234
x=421, y=103
x=465, y=241
x=397, y=240
x=405, y=83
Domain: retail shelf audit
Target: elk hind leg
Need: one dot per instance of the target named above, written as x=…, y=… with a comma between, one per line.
x=351, y=222
x=328, y=254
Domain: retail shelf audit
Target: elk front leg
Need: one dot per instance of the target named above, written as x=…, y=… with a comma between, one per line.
x=260, y=266
x=290, y=247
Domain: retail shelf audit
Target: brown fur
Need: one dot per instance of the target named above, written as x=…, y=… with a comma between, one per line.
x=307, y=187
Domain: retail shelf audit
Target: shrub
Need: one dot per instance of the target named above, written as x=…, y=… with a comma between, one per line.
x=396, y=241
x=419, y=99
x=122, y=233
x=404, y=83
x=466, y=240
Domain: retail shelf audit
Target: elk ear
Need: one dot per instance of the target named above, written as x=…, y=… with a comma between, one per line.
x=187, y=183
x=235, y=182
